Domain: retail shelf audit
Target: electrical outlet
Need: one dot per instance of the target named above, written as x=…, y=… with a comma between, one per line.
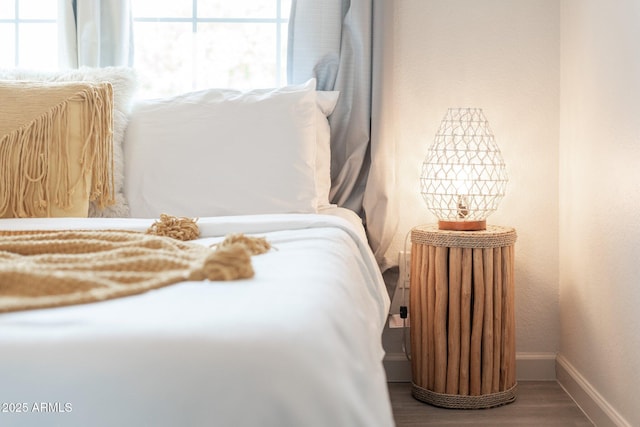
x=395, y=321
x=401, y=293
x=404, y=266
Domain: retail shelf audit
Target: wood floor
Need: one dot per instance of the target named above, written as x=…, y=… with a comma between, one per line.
x=539, y=403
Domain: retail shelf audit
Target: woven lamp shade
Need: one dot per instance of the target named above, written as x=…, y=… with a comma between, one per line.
x=463, y=175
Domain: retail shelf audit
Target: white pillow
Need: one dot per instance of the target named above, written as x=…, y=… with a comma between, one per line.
x=326, y=104
x=123, y=80
x=223, y=152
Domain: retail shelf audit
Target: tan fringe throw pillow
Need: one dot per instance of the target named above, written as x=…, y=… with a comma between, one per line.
x=56, y=148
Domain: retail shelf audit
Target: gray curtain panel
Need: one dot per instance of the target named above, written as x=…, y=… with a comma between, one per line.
x=95, y=33
x=336, y=42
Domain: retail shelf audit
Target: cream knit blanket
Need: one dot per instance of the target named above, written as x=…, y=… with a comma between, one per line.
x=53, y=268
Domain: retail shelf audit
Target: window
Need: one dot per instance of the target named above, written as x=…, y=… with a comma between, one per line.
x=185, y=45
x=28, y=33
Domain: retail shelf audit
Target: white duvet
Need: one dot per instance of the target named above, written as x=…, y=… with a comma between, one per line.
x=297, y=345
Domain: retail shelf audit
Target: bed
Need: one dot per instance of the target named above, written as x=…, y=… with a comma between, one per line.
x=297, y=344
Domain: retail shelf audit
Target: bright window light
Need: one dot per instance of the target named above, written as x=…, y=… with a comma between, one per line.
x=186, y=45
x=38, y=9
x=38, y=45
x=29, y=34
x=8, y=51
x=7, y=9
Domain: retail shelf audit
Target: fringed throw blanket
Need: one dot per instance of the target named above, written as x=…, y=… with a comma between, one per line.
x=56, y=148
x=41, y=269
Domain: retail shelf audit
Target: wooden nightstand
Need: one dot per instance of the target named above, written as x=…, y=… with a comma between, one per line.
x=462, y=316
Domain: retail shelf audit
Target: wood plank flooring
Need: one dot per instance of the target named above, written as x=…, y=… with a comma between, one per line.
x=539, y=403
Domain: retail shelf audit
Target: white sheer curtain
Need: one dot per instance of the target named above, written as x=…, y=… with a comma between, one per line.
x=346, y=45
x=95, y=33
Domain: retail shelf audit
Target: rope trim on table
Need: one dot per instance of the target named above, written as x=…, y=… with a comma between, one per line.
x=493, y=237
x=454, y=401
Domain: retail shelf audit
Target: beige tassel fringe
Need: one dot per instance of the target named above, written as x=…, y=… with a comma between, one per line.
x=34, y=155
x=253, y=245
x=180, y=228
x=231, y=259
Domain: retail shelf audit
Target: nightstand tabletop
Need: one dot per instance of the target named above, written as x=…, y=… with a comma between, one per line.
x=493, y=237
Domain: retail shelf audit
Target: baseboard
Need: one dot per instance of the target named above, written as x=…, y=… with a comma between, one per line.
x=592, y=403
x=398, y=368
x=529, y=366
x=535, y=366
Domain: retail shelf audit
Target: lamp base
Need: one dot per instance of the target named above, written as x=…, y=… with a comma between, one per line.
x=462, y=225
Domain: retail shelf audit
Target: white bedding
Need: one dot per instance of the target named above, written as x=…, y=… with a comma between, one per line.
x=298, y=345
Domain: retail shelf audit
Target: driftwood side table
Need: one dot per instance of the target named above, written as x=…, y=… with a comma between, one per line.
x=462, y=317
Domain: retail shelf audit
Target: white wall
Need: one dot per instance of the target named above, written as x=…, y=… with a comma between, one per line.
x=560, y=85
x=600, y=199
x=503, y=56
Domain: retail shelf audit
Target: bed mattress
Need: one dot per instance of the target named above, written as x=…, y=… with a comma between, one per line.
x=297, y=345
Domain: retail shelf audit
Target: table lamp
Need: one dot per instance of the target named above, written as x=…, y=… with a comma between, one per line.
x=463, y=175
